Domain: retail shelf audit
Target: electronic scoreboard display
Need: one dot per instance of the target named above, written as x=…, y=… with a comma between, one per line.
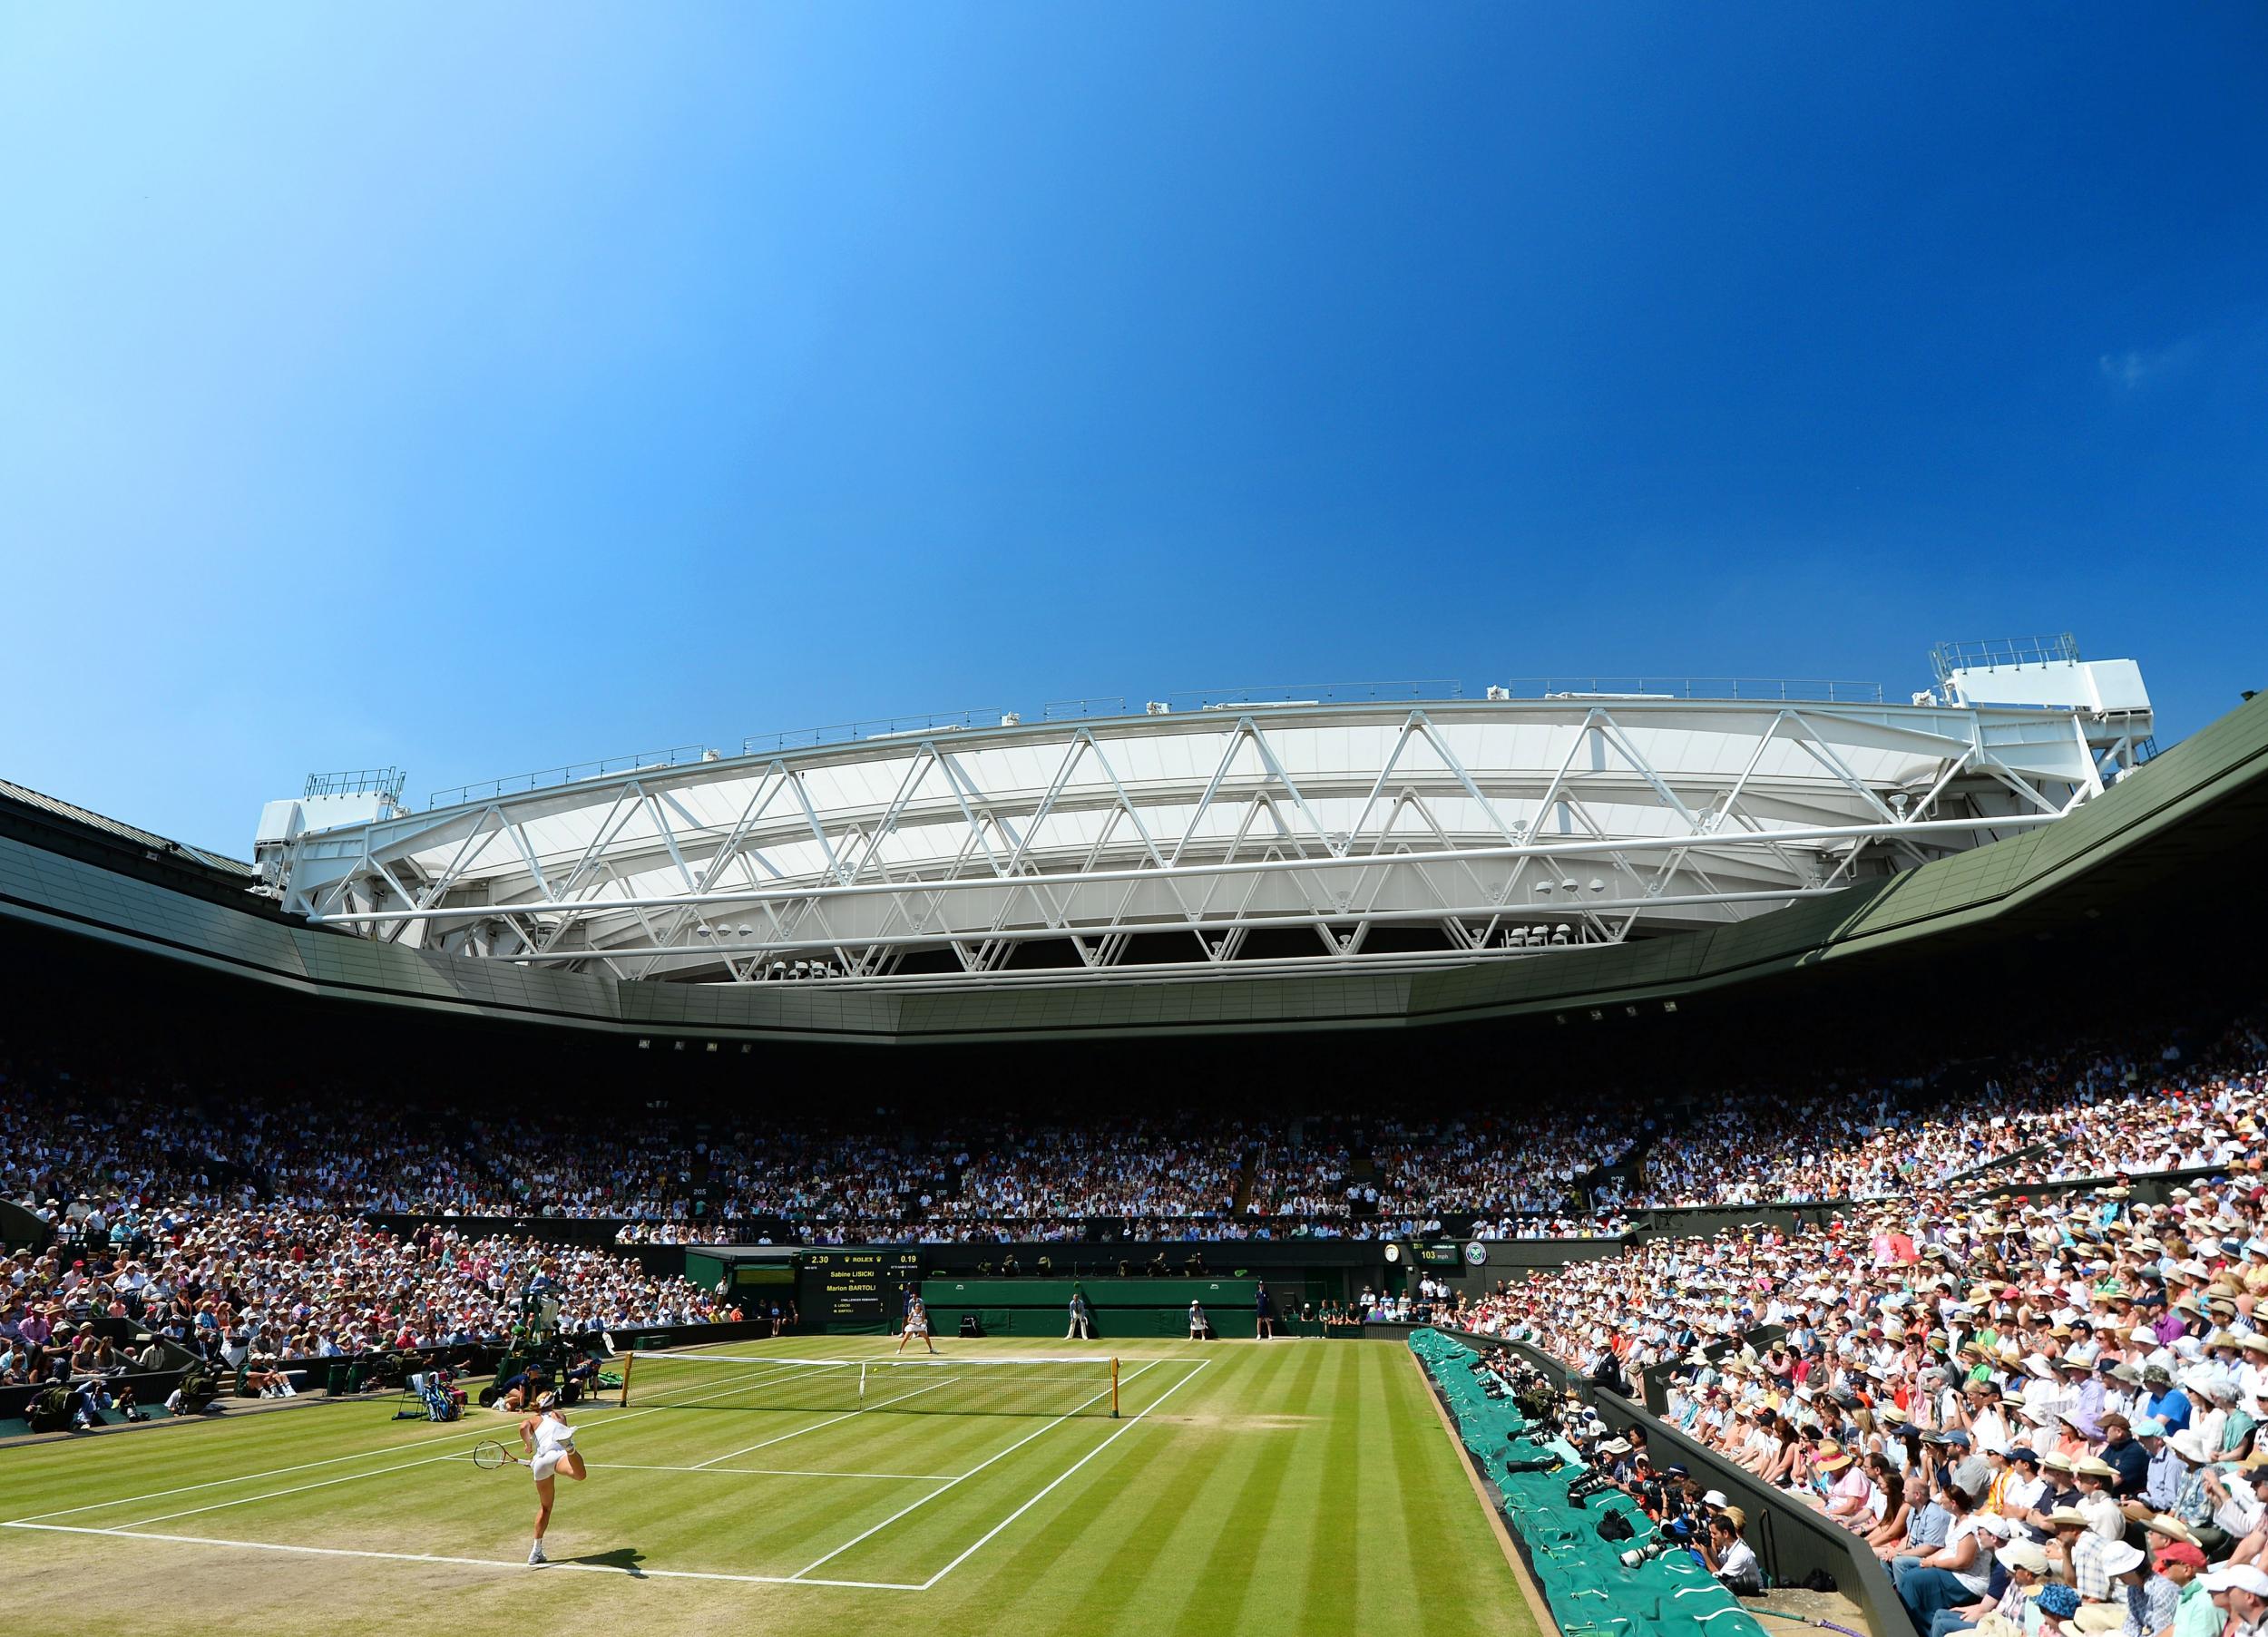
x=855, y=1284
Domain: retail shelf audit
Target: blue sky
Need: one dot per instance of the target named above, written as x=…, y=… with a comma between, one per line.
x=482, y=389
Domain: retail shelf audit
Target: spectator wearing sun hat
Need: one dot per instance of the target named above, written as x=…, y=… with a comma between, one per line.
x=2026, y=1566
x=2142, y=1601
x=2128, y=1460
x=1850, y=1493
x=2194, y=1503
x=2056, y=1603
x=2021, y=1494
x=2095, y=1477
x=2241, y=1592
x=2164, y=1403
x=2184, y=1565
x=2075, y=1553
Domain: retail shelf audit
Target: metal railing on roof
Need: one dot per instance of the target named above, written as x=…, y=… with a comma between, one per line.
x=1946, y=657
x=1791, y=691
x=520, y=784
x=872, y=727
x=1276, y=696
x=1774, y=689
x=386, y=782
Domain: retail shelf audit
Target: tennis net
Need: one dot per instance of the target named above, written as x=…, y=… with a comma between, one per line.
x=954, y=1387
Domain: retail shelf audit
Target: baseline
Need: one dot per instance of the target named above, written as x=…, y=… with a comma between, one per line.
x=634, y=1572
x=598, y=1418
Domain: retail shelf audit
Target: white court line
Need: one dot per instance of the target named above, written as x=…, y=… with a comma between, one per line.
x=474, y=1563
x=246, y=1500
x=166, y=1517
x=846, y=1415
x=772, y=1472
x=599, y=1419
x=1074, y=1467
x=970, y=1473
x=429, y=1460
x=242, y=1478
x=801, y=1577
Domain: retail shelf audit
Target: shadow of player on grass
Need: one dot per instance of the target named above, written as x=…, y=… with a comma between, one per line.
x=625, y=1558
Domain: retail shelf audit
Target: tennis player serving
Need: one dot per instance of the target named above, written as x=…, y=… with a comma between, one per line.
x=550, y=1445
x=916, y=1324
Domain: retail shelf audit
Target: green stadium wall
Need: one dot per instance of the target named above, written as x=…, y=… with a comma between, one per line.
x=1122, y=1308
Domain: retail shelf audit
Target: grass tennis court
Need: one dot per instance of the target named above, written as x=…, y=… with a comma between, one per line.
x=1292, y=1486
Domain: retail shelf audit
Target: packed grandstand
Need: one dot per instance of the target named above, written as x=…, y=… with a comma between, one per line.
x=1954, y=1252
x=243, y=1231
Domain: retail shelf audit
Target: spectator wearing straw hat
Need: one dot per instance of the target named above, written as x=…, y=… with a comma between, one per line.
x=1850, y=1493
x=2075, y=1554
x=2094, y=1476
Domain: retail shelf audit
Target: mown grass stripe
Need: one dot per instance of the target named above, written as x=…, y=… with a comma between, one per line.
x=1456, y=1561
x=1333, y=1573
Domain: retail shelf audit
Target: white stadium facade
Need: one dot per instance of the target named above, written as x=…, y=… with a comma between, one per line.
x=1281, y=860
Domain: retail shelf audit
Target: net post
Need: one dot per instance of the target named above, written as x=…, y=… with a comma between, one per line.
x=1114, y=1389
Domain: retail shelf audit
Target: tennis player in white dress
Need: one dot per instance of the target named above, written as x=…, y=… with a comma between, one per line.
x=550, y=1445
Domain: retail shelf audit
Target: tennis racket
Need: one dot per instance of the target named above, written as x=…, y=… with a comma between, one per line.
x=490, y=1454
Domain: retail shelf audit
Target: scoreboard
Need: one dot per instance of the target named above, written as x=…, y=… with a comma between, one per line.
x=856, y=1285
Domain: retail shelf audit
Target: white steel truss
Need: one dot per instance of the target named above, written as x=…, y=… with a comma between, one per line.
x=1271, y=838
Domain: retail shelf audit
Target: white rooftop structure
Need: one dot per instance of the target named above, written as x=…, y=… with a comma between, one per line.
x=1297, y=828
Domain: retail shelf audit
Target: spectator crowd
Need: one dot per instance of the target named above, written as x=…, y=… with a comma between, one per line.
x=2004, y=1392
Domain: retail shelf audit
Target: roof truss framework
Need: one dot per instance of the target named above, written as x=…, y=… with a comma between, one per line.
x=1504, y=831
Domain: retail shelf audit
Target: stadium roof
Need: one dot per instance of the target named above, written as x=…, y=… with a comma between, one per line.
x=2180, y=818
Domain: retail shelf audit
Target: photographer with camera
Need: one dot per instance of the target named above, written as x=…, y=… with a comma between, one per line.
x=1729, y=1557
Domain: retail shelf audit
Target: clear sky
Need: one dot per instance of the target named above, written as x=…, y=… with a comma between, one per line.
x=479, y=388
